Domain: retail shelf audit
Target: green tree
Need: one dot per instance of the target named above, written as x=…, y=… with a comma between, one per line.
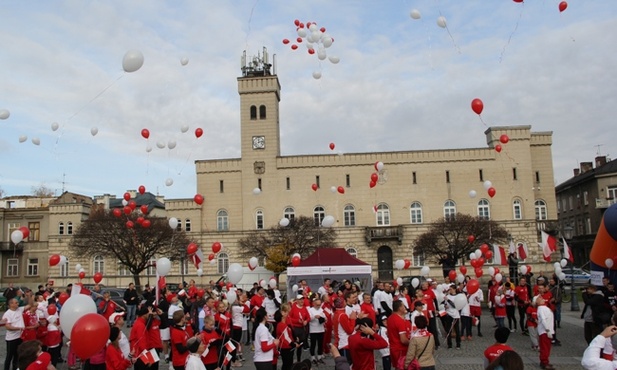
x=104, y=234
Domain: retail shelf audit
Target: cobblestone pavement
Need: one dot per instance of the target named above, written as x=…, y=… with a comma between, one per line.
x=565, y=357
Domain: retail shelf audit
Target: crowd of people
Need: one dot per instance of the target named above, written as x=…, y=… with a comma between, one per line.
x=212, y=327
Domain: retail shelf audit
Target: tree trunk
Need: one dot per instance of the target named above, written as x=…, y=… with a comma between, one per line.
x=138, y=286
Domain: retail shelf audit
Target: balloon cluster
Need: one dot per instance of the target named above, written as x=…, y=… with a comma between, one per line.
x=129, y=206
x=403, y=264
x=20, y=234
x=216, y=248
x=478, y=258
x=524, y=269
x=441, y=20
x=375, y=175
x=559, y=265
x=57, y=260
x=316, y=40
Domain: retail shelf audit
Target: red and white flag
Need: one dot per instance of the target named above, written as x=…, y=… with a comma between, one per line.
x=567, y=253
x=160, y=284
x=499, y=255
x=149, y=357
x=227, y=359
x=548, y=245
x=197, y=258
x=522, y=251
x=230, y=346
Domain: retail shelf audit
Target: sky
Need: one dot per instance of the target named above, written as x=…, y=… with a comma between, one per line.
x=401, y=83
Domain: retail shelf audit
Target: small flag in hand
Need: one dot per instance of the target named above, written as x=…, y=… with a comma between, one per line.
x=149, y=357
x=227, y=359
x=230, y=346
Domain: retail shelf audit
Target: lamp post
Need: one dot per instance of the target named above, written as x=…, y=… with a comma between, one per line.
x=567, y=234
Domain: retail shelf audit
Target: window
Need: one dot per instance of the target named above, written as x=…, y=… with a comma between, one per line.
x=151, y=270
x=448, y=176
x=289, y=213
x=414, y=178
x=123, y=270
x=318, y=215
x=570, y=202
x=187, y=225
x=69, y=228
x=33, y=267
x=541, y=213
x=349, y=214
x=517, y=209
x=484, y=209
x=35, y=231
x=13, y=226
x=383, y=215
x=253, y=112
x=558, y=205
x=415, y=213
x=259, y=219
x=262, y=112
x=352, y=251
x=61, y=228
x=586, y=198
x=317, y=181
x=221, y=186
x=514, y=177
x=64, y=269
x=259, y=183
x=588, y=225
x=288, y=183
x=611, y=192
x=537, y=176
x=418, y=259
x=347, y=180
x=99, y=264
x=481, y=175
x=449, y=210
x=184, y=266
x=563, y=202
x=222, y=222
x=12, y=267
x=179, y=226
x=222, y=263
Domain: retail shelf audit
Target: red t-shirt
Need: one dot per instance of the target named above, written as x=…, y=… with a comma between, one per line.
x=41, y=362
x=284, y=335
x=363, y=348
x=138, y=337
x=111, y=308
x=178, y=336
x=256, y=302
x=154, y=335
x=500, y=306
x=397, y=326
x=368, y=309
x=213, y=350
x=522, y=294
x=495, y=351
x=532, y=317
x=429, y=298
x=297, y=315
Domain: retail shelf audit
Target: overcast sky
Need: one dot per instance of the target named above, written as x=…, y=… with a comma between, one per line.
x=401, y=84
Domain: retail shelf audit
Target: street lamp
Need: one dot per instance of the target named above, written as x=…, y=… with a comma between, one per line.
x=567, y=234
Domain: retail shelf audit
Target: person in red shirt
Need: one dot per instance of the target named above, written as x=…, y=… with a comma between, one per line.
x=153, y=327
x=222, y=320
x=284, y=334
x=31, y=322
x=399, y=332
x=329, y=311
x=430, y=298
x=499, y=303
x=532, y=326
x=298, y=318
x=213, y=341
x=179, y=337
x=138, y=337
x=368, y=309
x=106, y=306
x=343, y=326
x=495, y=350
x=114, y=360
x=363, y=343
x=521, y=293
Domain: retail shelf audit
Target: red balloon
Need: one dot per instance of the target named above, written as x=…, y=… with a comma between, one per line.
x=492, y=192
x=295, y=261
x=474, y=263
x=117, y=212
x=563, y=6
x=127, y=210
x=146, y=224
x=463, y=270
x=144, y=209
x=97, y=277
x=374, y=177
x=481, y=261
x=488, y=255
x=210, y=256
x=332, y=146
x=472, y=286
x=372, y=184
x=127, y=196
x=93, y=331
x=452, y=275
x=504, y=139
x=25, y=231
x=471, y=239
x=200, y=293
x=221, y=284
x=198, y=132
x=314, y=187
x=479, y=272
x=294, y=47
x=229, y=285
x=518, y=1
x=297, y=22
x=54, y=259
x=63, y=297
x=145, y=133
x=140, y=220
x=341, y=189
x=496, y=270
x=394, y=283
x=216, y=247
x=81, y=276
x=52, y=309
x=285, y=41
x=250, y=267
x=311, y=51
x=477, y=106
x=191, y=249
x=299, y=39
x=484, y=248
x=407, y=263
x=498, y=148
x=323, y=29
x=141, y=189
x=132, y=204
x=199, y=199
x=130, y=224
x=528, y=268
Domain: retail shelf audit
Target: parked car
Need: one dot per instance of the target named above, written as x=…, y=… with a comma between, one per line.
x=581, y=277
x=407, y=280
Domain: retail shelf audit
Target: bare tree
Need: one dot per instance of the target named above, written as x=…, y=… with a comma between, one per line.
x=1, y=193
x=279, y=243
x=42, y=191
x=107, y=235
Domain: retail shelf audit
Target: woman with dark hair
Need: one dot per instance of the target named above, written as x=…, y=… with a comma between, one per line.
x=508, y=360
x=30, y=352
x=421, y=346
x=265, y=343
x=114, y=359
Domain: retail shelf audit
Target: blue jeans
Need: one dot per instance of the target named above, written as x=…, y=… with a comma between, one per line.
x=131, y=309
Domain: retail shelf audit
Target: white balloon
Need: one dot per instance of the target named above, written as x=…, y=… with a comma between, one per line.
x=472, y=193
x=608, y=262
x=78, y=267
x=231, y=296
x=184, y=128
x=498, y=277
x=263, y=283
x=163, y=266
x=94, y=131
x=184, y=61
x=54, y=126
x=333, y=189
x=73, y=309
x=125, y=202
x=523, y=270
x=213, y=261
x=562, y=276
x=564, y=262
x=326, y=41
x=160, y=144
x=425, y=271
x=415, y=14
x=415, y=282
x=256, y=191
x=379, y=166
x=312, y=27
x=169, y=181
x=36, y=141
x=173, y=223
x=441, y=21
x=4, y=113
x=460, y=277
x=132, y=61
x=253, y=262
x=235, y=273
x=487, y=185
x=63, y=260
x=171, y=144
x=556, y=265
x=317, y=75
x=148, y=149
x=82, y=270
x=334, y=60
x=200, y=272
x=302, y=32
x=478, y=253
x=399, y=264
x=328, y=221
x=491, y=271
x=294, y=288
x=558, y=270
x=17, y=236
x=310, y=46
x=272, y=283
x=23, y=138
x=284, y=222
x=472, y=256
x=321, y=55
x=460, y=301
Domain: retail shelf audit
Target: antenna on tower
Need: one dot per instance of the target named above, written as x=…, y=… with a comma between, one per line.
x=63, y=181
x=257, y=65
x=598, y=148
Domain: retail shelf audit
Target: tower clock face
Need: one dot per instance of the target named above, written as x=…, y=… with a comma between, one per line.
x=259, y=142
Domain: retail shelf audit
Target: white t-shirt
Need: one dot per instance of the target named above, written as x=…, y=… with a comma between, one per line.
x=270, y=307
x=476, y=298
x=383, y=332
x=16, y=319
x=450, y=308
x=124, y=345
x=314, y=325
x=193, y=362
x=171, y=310
x=377, y=300
x=387, y=297
x=262, y=335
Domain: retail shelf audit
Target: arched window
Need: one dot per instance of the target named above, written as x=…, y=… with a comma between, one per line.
x=60, y=228
x=151, y=270
x=222, y=222
x=99, y=264
x=541, y=213
x=449, y=210
x=253, y=112
x=289, y=213
x=64, y=269
x=259, y=219
x=484, y=209
x=187, y=225
x=318, y=215
x=222, y=263
x=383, y=215
x=179, y=226
x=349, y=214
x=69, y=228
x=122, y=269
x=415, y=213
x=517, y=209
x=262, y=112
x=352, y=251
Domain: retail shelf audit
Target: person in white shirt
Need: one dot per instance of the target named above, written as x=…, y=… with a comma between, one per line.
x=196, y=347
x=385, y=352
x=475, y=307
x=265, y=344
x=324, y=288
x=593, y=357
x=117, y=319
x=14, y=323
x=174, y=306
x=377, y=299
x=452, y=318
x=387, y=299
x=545, y=331
x=316, y=330
x=271, y=304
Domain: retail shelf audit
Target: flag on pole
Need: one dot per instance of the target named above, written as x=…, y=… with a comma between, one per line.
x=522, y=251
x=149, y=357
x=227, y=359
x=511, y=248
x=499, y=255
x=567, y=253
x=197, y=258
x=230, y=346
x=548, y=245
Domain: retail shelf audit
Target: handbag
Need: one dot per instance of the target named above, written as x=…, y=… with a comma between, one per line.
x=414, y=364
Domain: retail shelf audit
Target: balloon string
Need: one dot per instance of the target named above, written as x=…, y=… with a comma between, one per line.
x=248, y=33
x=481, y=120
x=96, y=97
x=503, y=51
x=458, y=49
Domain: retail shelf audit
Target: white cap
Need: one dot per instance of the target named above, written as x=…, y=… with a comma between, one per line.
x=114, y=316
x=299, y=296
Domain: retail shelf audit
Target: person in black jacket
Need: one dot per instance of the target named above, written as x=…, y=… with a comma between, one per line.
x=594, y=313
x=131, y=299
